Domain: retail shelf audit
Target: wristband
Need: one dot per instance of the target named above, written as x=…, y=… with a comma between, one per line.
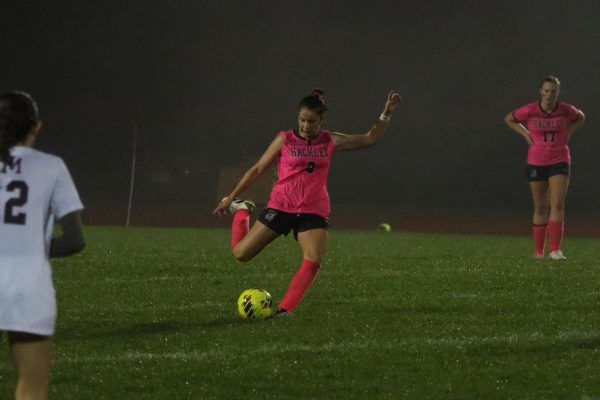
x=385, y=118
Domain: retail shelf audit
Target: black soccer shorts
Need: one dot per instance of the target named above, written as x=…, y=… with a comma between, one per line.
x=283, y=222
x=535, y=173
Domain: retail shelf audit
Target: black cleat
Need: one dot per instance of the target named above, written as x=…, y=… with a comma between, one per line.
x=282, y=312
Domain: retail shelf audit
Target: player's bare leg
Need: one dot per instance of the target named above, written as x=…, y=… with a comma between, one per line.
x=257, y=238
x=314, y=244
x=559, y=185
x=32, y=361
x=541, y=201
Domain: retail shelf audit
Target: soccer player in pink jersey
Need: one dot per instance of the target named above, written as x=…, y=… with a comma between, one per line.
x=547, y=126
x=299, y=200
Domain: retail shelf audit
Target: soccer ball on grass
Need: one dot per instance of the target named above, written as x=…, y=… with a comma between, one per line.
x=255, y=304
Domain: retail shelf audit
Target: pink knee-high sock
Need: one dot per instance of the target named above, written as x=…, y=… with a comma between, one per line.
x=555, y=234
x=300, y=284
x=539, y=238
x=239, y=227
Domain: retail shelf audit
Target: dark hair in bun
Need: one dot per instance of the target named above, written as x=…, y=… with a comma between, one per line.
x=314, y=101
x=18, y=115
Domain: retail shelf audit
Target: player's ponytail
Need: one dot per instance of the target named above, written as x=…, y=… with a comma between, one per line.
x=7, y=137
x=18, y=116
x=315, y=101
x=319, y=94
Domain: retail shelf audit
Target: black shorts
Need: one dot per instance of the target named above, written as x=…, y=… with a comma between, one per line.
x=282, y=222
x=24, y=337
x=541, y=173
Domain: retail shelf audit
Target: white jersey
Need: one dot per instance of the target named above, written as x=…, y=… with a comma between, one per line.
x=35, y=189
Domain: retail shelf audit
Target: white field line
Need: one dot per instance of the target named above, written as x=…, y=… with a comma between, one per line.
x=162, y=278
x=127, y=309
x=345, y=346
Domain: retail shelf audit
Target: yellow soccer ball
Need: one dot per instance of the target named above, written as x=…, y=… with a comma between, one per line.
x=255, y=304
x=384, y=227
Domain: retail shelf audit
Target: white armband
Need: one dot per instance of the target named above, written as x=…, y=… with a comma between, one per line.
x=385, y=118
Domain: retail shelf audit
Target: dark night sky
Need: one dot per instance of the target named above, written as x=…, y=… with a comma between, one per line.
x=209, y=84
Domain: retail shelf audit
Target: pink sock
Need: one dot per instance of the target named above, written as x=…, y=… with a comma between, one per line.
x=539, y=238
x=239, y=227
x=300, y=284
x=555, y=234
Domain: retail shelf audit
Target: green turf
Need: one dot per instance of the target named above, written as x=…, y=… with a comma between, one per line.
x=150, y=314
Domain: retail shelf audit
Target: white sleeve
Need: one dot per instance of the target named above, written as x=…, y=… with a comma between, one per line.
x=65, y=198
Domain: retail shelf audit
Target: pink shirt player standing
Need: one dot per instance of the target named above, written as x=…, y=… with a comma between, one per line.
x=548, y=132
x=299, y=200
x=547, y=126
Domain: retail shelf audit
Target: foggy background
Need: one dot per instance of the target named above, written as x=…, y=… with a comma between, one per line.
x=209, y=85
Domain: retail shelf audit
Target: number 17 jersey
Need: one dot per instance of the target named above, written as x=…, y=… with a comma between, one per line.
x=548, y=131
x=35, y=189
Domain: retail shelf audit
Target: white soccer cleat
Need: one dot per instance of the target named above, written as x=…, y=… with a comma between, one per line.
x=239, y=204
x=557, y=255
x=537, y=256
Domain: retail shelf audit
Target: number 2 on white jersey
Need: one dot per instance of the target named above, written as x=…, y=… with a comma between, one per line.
x=11, y=216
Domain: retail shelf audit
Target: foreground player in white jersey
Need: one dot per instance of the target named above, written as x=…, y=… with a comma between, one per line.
x=35, y=189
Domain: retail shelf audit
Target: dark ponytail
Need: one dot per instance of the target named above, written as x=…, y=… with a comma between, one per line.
x=315, y=101
x=18, y=116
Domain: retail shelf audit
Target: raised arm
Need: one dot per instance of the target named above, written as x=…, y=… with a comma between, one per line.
x=263, y=164
x=346, y=142
x=517, y=127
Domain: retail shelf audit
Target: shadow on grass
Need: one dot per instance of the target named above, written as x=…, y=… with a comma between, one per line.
x=589, y=343
x=94, y=329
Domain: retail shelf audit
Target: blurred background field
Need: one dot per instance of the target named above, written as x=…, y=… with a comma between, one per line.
x=209, y=84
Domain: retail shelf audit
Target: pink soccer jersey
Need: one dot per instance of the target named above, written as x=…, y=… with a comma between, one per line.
x=548, y=132
x=303, y=168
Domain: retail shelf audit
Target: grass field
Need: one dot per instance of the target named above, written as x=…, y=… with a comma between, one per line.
x=150, y=314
